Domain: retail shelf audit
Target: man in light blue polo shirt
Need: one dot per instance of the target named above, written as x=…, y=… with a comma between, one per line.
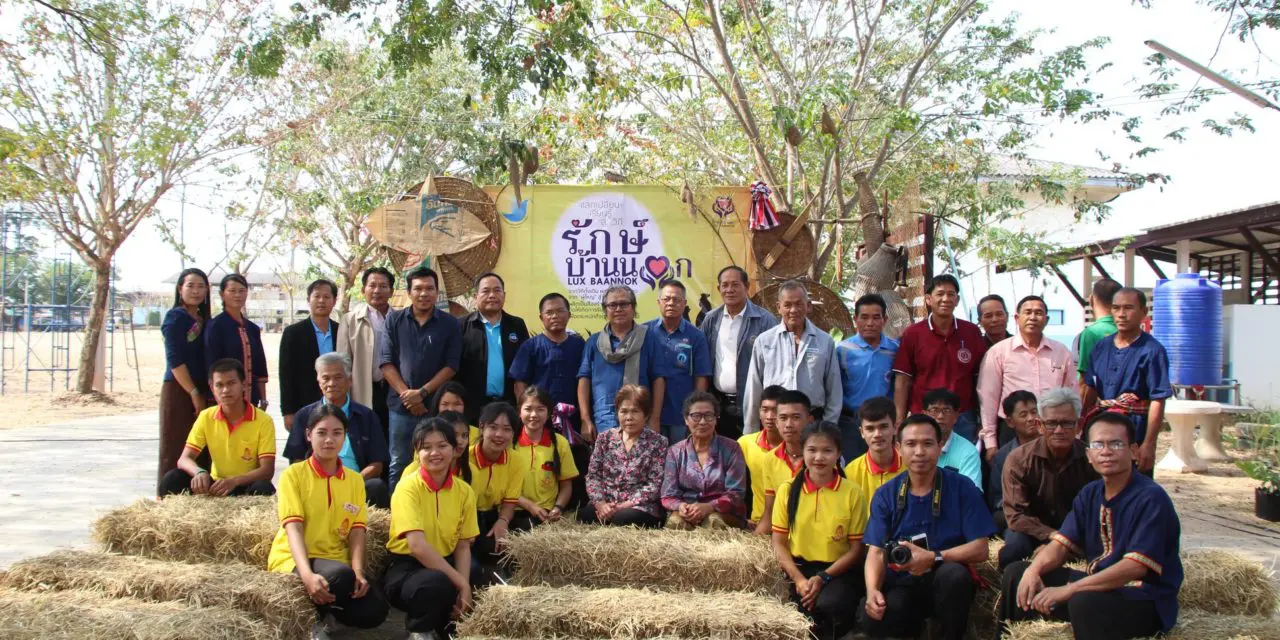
x=623, y=352
x=958, y=454
x=866, y=369
x=689, y=362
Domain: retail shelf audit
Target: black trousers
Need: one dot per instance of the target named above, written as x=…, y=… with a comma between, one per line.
x=179, y=481
x=376, y=493
x=426, y=596
x=622, y=518
x=1096, y=615
x=832, y=615
x=380, y=408
x=851, y=443
x=730, y=423
x=582, y=460
x=1017, y=546
x=362, y=613
x=945, y=593
x=485, y=548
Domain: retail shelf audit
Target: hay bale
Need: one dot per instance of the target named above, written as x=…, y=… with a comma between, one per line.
x=277, y=599
x=202, y=529
x=984, y=614
x=80, y=615
x=1192, y=625
x=627, y=614
x=595, y=556
x=1225, y=583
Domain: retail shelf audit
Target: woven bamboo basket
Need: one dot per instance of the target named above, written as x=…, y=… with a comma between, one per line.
x=828, y=312
x=795, y=259
x=459, y=270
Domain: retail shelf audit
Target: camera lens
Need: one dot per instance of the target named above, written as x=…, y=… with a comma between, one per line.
x=900, y=554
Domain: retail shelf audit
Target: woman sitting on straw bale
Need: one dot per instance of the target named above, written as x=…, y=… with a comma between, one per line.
x=497, y=481
x=465, y=435
x=323, y=522
x=817, y=534
x=546, y=459
x=433, y=524
x=624, y=479
x=704, y=476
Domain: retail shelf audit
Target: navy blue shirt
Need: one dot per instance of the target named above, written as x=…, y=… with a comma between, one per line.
x=225, y=337
x=688, y=358
x=364, y=432
x=1141, y=368
x=606, y=377
x=550, y=366
x=419, y=351
x=1138, y=524
x=184, y=345
x=962, y=517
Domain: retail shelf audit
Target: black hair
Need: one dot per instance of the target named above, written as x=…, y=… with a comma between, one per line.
x=427, y=426
x=226, y=365
x=677, y=284
x=326, y=410
x=454, y=418
x=377, y=271
x=321, y=282
x=994, y=297
x=877, y=409
x=488, y=274
x=871, y=298
x=1105, y=290
x=823, y=428
x=695, y=398
x=491, y=411
x=1012, y=400
x=1112, y=418
x=943, y=395
x=540, y=395
x=921, y=418
x=229, y=278
x=945, y=278
x=418, y=273
x=791, y=396
x=1031, y=298
x=452, y=386
x=203, y=309
x=1142, y=297
x=773, y=392
x=553, y=296
x=735, y=268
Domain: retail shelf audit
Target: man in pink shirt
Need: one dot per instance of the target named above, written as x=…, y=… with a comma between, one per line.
x=1027, y=361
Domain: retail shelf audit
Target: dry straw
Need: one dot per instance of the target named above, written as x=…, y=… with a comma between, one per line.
x=204, y=529
x=594, y=556
x=275, y=598
x=1224, y=583
x=80, y=615
x=1192, y=625
x=628, y=614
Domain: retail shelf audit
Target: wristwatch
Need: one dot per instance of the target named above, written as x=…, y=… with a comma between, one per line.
x=937, y=559
x=826, y=577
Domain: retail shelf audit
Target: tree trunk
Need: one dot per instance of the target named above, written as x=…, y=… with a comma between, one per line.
x=349, y=279
x=97, y=317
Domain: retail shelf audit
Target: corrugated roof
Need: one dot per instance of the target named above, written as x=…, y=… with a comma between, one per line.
x=1012, y=167
x=1215, y=215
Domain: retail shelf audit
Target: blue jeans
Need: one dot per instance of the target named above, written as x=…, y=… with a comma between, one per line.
x=675, y=432
x=401, y=428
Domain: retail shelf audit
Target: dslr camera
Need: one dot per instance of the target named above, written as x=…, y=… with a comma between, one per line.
x=899, y=553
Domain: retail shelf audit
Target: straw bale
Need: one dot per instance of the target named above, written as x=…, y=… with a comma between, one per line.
x=275, y=598
x=203, y=529
x=629, y=614
x=984, y=614
x=1192, y=625
x=1225, y=583
x=595, y=556
x=81, y=615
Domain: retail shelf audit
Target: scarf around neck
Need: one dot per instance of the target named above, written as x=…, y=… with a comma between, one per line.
x=628, y=349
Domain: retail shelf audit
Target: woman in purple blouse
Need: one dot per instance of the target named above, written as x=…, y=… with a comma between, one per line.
x=704, y=477
x=624, y=478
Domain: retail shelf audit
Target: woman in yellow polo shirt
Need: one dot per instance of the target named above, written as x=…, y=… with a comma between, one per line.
x=817, y=534
x=322, y=528
x=546, y=458
x=497, y=480
x=433, y=523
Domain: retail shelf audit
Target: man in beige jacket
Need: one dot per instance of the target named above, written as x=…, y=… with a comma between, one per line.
x=361, y=333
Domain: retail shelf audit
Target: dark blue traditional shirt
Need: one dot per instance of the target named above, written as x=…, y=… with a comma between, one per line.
x=184, y=345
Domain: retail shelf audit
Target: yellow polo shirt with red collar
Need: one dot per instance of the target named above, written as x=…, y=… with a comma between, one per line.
x=868, y=475
x=779, y=469
x=541, y=484
x=755, y=450
x=329, y=506
x=496, y=482
x=235, y=448
x=829, y=518
x=444, y=514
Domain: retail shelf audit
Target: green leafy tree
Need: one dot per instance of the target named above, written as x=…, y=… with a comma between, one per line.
x=99, y=128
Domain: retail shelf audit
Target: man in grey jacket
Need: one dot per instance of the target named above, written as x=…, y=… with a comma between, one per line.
x=731, y=331
x=795, y=355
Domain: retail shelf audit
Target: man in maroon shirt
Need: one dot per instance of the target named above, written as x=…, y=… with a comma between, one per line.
x=940, y=351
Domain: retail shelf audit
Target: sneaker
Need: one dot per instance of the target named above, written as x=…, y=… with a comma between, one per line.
x=320, y=632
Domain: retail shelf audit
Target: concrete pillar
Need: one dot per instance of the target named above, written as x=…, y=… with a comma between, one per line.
x=1129, y=255
x=1086, y=289
x=1184, y=256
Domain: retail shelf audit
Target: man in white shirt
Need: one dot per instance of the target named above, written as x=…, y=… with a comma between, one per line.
x=731, y=330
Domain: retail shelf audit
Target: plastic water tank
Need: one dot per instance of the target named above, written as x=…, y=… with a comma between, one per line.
x=1188, y=322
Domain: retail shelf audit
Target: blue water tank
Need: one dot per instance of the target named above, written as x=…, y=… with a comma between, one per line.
x=1188, y=322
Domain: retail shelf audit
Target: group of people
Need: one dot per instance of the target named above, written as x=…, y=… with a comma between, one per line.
x=846, y=454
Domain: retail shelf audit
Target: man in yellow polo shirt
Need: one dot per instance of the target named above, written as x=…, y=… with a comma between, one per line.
x=794, y=414
x=241, y=440
x=756, y=447
x=881, y=463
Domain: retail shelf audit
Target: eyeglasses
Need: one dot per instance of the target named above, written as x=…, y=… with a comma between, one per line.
x=670, y=299
x=939, y=411
x=702, y=417
x=1054, y=425
x=617, y=306
x=1114, y=445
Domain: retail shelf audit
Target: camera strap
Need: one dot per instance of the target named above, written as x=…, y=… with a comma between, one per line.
x=900, y=508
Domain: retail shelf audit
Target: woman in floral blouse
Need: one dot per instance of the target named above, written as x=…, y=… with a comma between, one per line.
x=704, y=479
x=624, y=478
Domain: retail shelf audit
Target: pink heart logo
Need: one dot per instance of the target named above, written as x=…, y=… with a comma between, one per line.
x=657, y=265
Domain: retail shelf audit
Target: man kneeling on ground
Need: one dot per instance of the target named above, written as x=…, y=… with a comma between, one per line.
x=241, y=440
x=1126, y=528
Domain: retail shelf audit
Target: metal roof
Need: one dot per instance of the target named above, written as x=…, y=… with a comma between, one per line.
x=1015, y=167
